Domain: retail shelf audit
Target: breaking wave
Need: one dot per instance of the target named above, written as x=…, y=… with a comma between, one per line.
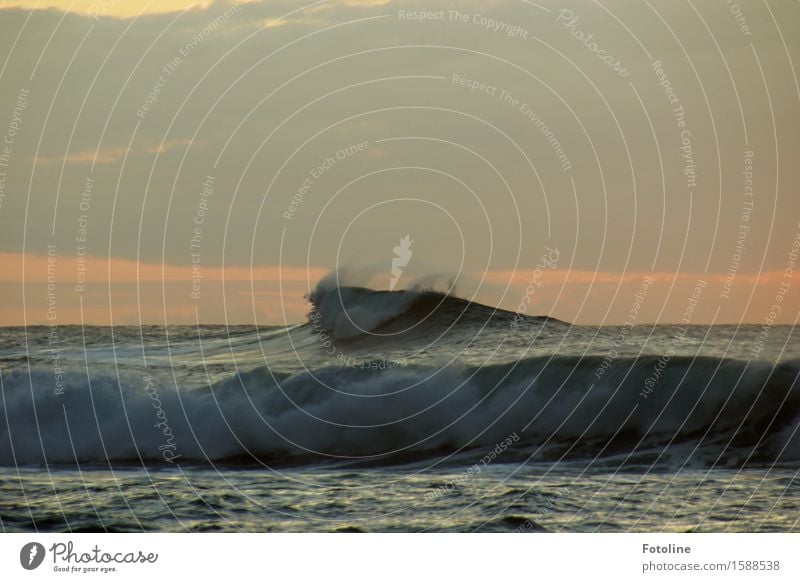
x=349, y=312
x=705, y=410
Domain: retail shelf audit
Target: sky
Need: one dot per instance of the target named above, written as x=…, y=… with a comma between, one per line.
x=175, y=162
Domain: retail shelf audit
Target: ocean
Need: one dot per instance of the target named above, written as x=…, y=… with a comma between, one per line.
x=403, y=411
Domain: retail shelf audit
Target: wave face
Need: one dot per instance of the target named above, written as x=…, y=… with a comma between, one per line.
x=711, y=411
x=350, y=312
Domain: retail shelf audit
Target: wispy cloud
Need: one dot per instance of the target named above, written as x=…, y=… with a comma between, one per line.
x=113, y=8
x=113, y=154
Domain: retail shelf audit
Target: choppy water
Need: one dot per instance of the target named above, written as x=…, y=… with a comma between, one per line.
x=503, y=498
x=400, y=412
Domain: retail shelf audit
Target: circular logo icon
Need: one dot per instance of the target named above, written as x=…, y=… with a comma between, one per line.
x=31, y=555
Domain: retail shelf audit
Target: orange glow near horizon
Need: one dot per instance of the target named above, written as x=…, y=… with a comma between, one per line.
x=123, y=291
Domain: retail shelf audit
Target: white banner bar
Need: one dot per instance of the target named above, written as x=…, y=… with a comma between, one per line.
x=401, y=557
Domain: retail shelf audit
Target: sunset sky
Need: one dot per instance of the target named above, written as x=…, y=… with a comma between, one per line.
x=179, y=162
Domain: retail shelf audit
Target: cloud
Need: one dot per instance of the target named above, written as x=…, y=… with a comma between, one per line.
x=114, y=154
x=118, y=9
